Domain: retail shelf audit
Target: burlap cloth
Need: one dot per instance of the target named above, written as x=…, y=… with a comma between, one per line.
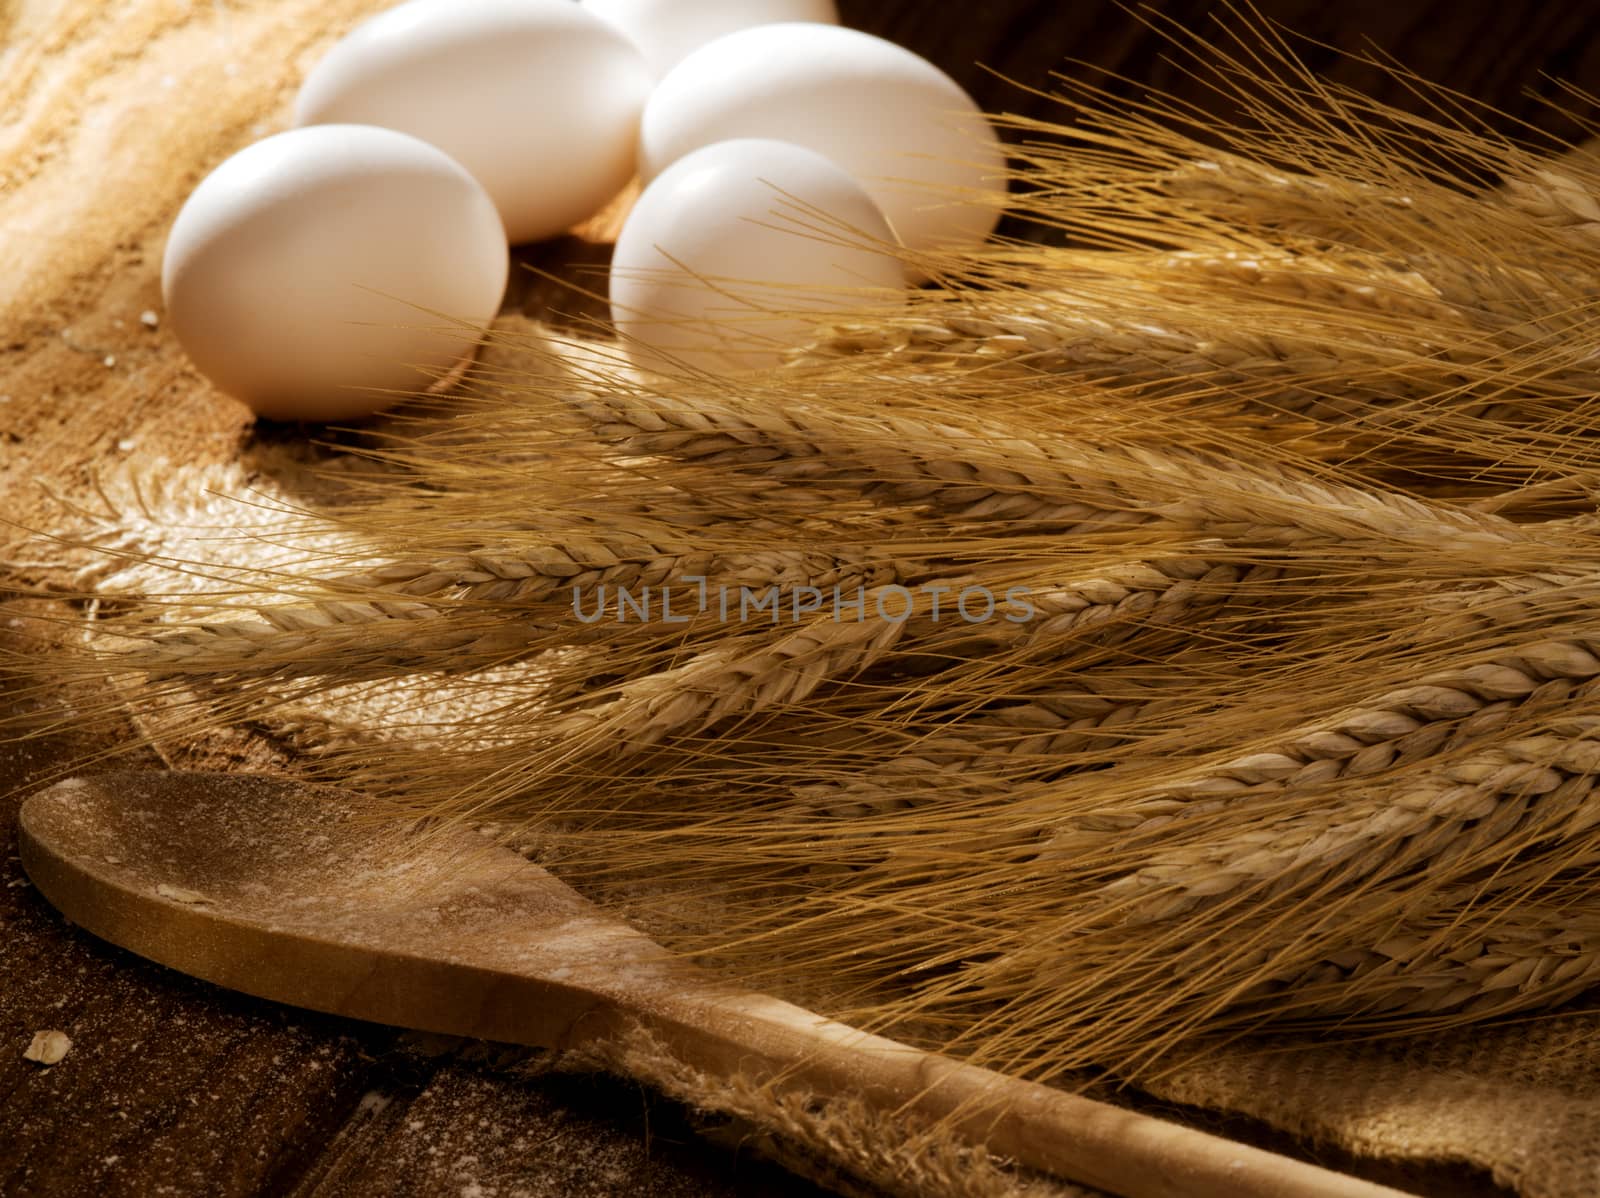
x=116, y=109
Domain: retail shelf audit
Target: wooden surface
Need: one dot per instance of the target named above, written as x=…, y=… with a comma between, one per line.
x=175, y=1087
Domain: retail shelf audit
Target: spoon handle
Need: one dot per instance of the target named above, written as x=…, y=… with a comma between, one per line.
x=729, y=1034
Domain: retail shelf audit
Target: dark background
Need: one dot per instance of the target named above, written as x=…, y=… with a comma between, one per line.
x=1508, y=54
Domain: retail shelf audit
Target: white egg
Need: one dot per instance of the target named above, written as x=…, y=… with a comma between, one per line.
x=537, y=98
x=893, y=120
x=733, y=251
x=666, y=30
x=319, y=267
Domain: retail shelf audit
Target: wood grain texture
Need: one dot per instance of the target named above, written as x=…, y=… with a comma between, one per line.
x=174, y=1087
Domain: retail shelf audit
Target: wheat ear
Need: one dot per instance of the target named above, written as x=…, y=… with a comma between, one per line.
x=345, y=638
x=1369, y=217
x=1329, y=337
x=1147, y=332
x=527, y=576
x=1055, y=483
x=1441, y=816
x=373, y=637
x=1041, y=736
x=1534, y=955
x=1558, y=200
x=1395, y=728
x=729, y=680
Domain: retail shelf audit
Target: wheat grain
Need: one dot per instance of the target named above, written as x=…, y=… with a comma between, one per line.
x=1557, y=200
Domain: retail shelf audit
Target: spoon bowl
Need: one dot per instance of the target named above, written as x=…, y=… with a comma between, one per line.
x=283, y=891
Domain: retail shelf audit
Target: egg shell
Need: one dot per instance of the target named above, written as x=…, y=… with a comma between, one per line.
x=321, y=262
x=539, y=99
x=895, y=121
x=667, y=30
x=732, y=252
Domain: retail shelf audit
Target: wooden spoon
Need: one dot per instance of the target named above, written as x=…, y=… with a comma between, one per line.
x=284, y=891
